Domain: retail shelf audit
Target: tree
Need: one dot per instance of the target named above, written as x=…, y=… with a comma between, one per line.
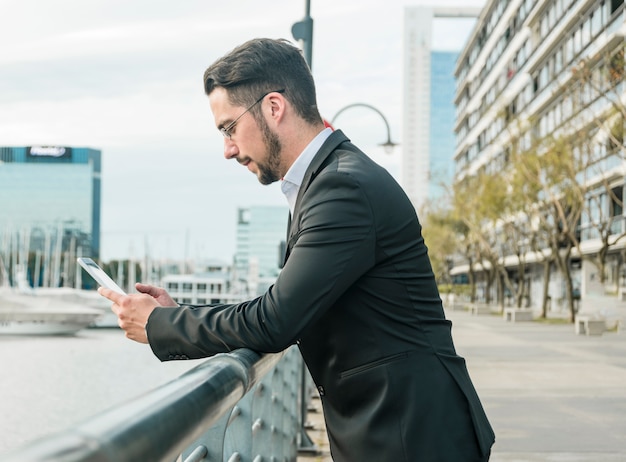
x=549, y=173
x=479, y=203
x=597, y=97
x=441, y=232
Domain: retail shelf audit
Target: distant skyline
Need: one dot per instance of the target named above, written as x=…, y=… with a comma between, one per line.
x=125, y=78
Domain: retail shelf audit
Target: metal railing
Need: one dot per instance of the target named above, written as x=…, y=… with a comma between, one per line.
x=240, y=406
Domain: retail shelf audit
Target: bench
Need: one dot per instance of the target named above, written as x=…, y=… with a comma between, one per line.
x=479, y=308
x=589, y=325
x=517, y=314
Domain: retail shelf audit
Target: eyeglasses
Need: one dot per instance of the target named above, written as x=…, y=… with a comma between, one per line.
x=226, y=131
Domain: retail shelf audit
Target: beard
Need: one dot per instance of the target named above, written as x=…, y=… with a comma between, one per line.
x=270, y=171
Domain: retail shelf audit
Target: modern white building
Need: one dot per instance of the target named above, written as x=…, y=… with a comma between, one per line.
x=515, y=85
x=208, y=284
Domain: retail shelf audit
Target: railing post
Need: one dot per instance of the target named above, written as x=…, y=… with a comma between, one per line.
x=306, y=445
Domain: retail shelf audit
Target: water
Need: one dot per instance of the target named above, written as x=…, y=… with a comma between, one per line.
x=48, y=384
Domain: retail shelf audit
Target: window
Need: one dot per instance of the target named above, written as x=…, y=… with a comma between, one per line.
x=552, y=18
x=586, y=31
x=577, y=40
x=615, y=4
x=543, y=76
x=617, y=202
x=558, y=115
x=558, y=61
x=569, y=49
x=543, y=28
x=542, y=128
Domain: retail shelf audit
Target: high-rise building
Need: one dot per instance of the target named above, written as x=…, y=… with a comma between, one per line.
x=50, y=198
x=429, y=113
x=442, y=116
x=520, y=85
x=260, y=232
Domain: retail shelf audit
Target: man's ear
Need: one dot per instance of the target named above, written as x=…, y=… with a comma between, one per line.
x=277, y=106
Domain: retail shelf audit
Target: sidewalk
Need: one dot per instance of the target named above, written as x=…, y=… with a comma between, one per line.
x=551, y=395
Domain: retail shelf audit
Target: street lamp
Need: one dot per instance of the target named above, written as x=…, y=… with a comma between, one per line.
x=387, y=145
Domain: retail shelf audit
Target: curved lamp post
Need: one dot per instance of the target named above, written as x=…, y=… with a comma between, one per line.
x=387, y=145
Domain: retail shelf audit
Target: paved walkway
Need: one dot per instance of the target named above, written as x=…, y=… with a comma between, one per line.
x=551, y=395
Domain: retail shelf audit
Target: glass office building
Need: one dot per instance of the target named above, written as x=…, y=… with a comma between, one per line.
x=49, y=201
x=442, y=117
x=260, y=232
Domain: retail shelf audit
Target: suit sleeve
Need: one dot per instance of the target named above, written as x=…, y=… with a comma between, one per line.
x=332, y=248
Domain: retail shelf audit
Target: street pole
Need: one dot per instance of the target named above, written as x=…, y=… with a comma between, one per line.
x=303, y=30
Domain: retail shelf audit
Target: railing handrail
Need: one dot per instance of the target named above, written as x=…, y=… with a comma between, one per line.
x=161, y=424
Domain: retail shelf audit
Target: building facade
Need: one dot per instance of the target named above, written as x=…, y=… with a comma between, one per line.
x=49, y=205
x=520, y=83
x=210, y=283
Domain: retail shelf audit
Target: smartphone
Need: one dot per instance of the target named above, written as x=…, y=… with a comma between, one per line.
x=99, y=275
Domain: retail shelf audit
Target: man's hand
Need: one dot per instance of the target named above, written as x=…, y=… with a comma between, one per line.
x=133, y=310
x=159, y=294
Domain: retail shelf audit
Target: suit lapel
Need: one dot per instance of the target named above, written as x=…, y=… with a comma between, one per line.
x=331, y=143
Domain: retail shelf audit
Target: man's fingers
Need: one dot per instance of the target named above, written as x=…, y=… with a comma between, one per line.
x=132, y=312
x=148, y=289
x=110, y=294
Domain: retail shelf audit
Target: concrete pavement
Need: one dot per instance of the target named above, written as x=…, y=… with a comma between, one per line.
x=551, y=395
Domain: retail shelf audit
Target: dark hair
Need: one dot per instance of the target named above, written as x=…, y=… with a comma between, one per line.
x=262, y=65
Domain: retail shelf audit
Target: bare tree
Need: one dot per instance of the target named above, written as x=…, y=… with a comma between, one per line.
x=596, y=95
x=549, y=172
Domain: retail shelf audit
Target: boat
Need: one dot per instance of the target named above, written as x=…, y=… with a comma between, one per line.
x=84, y=298
x=40, y=314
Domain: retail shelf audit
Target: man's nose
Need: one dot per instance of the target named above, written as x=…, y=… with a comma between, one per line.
x=230, y=149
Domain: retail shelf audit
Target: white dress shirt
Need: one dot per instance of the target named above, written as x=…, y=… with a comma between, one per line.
x=293, y=178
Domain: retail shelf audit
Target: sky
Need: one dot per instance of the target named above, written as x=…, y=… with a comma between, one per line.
x=125, y=77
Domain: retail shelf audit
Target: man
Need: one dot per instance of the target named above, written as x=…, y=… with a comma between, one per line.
x=357, y=292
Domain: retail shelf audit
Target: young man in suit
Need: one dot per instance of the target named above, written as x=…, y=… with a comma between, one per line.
x=356, y=294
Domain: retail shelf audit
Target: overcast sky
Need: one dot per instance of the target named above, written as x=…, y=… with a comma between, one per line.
x=125, y=77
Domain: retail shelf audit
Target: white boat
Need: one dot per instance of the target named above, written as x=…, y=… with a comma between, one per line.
x=87, y=299
x=39, y=314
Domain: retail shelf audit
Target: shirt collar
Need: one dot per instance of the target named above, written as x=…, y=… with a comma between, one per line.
x=293, y=178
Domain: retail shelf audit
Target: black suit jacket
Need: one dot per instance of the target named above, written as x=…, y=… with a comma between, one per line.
x=358, y=295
